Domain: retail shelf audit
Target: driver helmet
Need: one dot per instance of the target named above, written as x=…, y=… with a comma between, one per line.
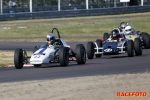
x=122, y=26
x=128, y=30
x=114, y=33
x=50, y=38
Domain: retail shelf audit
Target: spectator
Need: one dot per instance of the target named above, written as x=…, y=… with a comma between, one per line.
x=14, y=4
x=10, y=4
x=71, y=2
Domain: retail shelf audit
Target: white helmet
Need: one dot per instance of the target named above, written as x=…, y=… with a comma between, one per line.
x=128, y=30
x=122, y=26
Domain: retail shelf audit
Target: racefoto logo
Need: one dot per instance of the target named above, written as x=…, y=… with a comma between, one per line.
x=131, y=94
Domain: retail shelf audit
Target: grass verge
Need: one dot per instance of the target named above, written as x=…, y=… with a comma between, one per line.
x=7, y=58
x=71, y=29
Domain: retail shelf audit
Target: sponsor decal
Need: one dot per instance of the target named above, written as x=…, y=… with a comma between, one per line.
x=108, y=50
x=132, y=94
x=36, y=56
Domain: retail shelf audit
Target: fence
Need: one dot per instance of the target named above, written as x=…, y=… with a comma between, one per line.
x=76, y=12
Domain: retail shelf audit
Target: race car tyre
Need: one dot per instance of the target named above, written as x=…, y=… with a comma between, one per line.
x=64, y=56
x=130, y=48
x=80, y=54
x=105, y=36
x=138, y=46
x=18, y=59
x=37, y=65
x=90, y=50
x=146, y=41
x=143, y=35
x=36, y=48
x=99, y=44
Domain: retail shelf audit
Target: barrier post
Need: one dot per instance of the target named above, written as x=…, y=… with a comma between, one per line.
x=141, y=2
x=30, y=6
x=58, y=5
x=87, y=4
x=1, y=6
x=114, y=3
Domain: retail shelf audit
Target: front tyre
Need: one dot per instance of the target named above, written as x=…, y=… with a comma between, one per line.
x=64, y=56
x=130, y=48
x=80, y=54
x=90, y=50
x=137, y=46
x=105, y=36
x=18, y=59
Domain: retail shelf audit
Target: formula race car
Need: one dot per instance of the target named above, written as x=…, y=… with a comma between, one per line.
x=127, y=29
x=114, y=47
x=60, y=52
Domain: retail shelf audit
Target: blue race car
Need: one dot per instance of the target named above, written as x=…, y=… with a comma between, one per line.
x=114, y=45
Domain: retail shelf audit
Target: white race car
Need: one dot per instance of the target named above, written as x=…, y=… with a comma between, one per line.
x=46, y=54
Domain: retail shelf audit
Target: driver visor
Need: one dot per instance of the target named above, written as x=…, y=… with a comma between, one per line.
x=48, y=39
x=128, y=30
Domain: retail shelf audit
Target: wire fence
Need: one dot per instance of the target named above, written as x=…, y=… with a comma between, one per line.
x=25, y=3
x=52, y=5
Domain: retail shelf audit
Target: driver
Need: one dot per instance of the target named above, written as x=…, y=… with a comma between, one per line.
x=122, y=27
x=115, y=35
x=128, y=30
x=50, y=39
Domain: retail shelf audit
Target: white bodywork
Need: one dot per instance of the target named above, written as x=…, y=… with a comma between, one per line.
x=43, y=55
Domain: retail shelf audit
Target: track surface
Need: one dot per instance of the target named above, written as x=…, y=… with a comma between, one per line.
x=106, y=65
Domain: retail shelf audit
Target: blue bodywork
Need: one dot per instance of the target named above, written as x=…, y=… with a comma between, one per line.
x=110, y=48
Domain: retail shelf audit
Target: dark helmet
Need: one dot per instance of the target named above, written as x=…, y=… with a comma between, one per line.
x=115, y=33
x=50, y=37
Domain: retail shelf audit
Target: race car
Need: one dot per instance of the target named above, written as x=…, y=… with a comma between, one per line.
x=46, y=54
x=127, y=27
x=128, y=30
x=114, y=47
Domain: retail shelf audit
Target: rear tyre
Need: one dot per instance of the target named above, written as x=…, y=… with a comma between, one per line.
x=105, y=36
x=80, y=54
x=147, y=41
x=137, y=46
x=18, y=59
x=130, y=48
x=142, y=35
x=99, y=44
x=90, y=50
x=64, y=56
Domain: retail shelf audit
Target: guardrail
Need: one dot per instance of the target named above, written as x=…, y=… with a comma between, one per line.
x=71, y=13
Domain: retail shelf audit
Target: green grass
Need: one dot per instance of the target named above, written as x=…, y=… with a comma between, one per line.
x=71, y=29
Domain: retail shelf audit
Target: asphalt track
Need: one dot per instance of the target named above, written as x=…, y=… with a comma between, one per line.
x=106, y=65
